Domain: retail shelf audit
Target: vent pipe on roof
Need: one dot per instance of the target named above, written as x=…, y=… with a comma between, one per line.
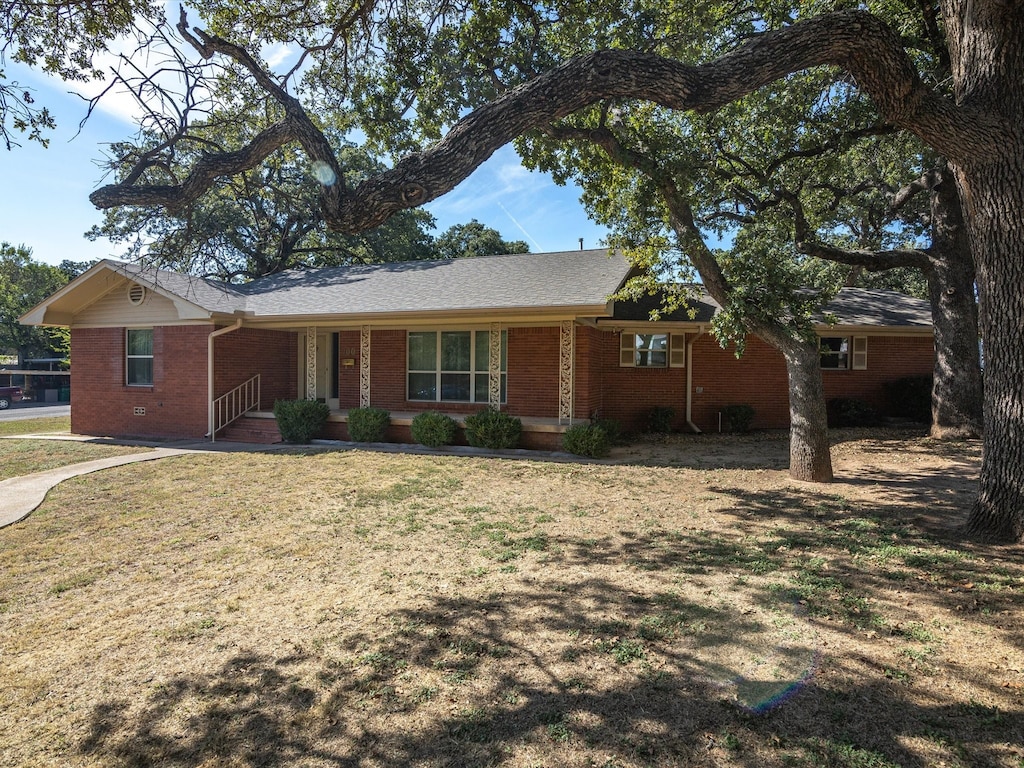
x=581, y=243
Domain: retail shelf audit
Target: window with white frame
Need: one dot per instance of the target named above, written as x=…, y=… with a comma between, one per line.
x=452, y=366
x=841, y=353
x=139, y=357
x=652, y=350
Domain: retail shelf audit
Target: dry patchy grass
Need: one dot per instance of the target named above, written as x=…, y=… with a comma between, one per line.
x=23, y=457
x=35, y=426
x=356, y=608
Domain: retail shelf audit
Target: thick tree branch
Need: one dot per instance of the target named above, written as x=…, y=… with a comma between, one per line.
x=855, y=41
x=873, y=261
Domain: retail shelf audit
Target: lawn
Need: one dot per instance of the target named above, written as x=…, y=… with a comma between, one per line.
x=23, y=457
x=692, y=607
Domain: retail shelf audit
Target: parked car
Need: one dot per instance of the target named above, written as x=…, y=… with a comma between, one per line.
x=9, y=395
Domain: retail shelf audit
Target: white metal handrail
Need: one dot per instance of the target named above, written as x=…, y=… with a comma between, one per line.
x=234, y=404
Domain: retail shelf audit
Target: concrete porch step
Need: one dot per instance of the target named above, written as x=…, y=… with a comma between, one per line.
x=249, y=430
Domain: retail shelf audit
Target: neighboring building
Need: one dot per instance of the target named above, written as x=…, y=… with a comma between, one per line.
x=161, y=354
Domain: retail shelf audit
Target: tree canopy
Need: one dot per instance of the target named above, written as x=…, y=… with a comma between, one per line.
x=24, y=282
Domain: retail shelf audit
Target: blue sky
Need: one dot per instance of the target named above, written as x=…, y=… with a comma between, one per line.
x=44, y=193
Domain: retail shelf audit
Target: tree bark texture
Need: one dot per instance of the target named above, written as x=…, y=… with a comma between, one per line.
x=986, y=42
x=810, y=457
x=995, y=192
x=957, y=410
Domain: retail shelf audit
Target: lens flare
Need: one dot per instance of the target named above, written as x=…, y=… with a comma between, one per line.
x=324, y=173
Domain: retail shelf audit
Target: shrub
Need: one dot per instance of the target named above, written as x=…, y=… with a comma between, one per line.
x=586, y=440
x=660, y=419
x=737, y=418
x=850, y=412
x=433, y=429
x=910, y=397
x=493, y=429
x=368, y=425
x=611, y=427
x=300, y=420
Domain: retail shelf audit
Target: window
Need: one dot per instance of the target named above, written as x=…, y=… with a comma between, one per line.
x=453, y=366
x=139, y=357
x=844, y=352
x=652, y=350
x=834, y=352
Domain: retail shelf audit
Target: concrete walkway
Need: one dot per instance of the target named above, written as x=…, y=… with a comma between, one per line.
x=19, y=496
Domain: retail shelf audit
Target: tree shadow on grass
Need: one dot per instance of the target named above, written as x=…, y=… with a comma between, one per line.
x=581, y=673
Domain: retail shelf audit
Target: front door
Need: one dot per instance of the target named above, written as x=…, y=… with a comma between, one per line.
x=327, y=369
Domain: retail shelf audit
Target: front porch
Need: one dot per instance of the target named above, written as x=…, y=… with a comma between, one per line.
x=260, y=427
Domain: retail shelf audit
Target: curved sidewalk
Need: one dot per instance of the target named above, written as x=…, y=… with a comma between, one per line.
x=19, y=496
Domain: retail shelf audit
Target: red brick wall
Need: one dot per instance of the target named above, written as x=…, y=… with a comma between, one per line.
x=348, y=375
x=631, y=393
x=759, y=377
x=240, y=355
x=533, y=371
x=588, y=394
x=175, y=406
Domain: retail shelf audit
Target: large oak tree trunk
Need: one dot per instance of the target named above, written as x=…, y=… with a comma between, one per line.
x=810, y=458
x=957, y=392
x=986, y=44
x=996, y=203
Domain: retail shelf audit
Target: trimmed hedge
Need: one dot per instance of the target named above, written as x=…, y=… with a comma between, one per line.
x=300, y=420
x=589, y=440
x=493, y=429
x=368, y=425
x=659, y=419
x=910, y=398
x=433, y=429
x=737, y=418
x=850, y=412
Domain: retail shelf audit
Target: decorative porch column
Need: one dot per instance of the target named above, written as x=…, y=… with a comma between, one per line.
x=311, y=362
x=364, y=366
x=566, y=357
x=494, y=367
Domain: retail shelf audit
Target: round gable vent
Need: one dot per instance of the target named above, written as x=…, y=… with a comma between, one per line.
x=136, y=294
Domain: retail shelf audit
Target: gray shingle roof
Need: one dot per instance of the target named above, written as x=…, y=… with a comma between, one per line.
x=527, y=281
x=211, y=295
x=864, y=306
x=521, y=281
x=852, y=306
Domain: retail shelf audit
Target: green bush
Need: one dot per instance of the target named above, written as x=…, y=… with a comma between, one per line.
x=433, y=429
x=660, y=419
x=737, y=418
x=586, y=440
x=910, y=398
x=611, y=427
x=300, y=420
x=493, y=429
x=850, y=412
x=368, y=425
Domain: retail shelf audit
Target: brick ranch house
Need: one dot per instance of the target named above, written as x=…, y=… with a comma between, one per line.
x=164, y=355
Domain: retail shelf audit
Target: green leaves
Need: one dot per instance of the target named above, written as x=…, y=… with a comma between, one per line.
x=24, y=282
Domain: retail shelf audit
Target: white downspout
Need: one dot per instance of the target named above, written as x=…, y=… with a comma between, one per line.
x=689, y=380
x=209, y=373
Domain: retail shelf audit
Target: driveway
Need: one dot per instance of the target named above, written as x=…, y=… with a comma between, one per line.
x=30, y=410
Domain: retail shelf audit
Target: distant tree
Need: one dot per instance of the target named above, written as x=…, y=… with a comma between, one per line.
x=24, y=283
x=474, y=239
x=72, y=269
